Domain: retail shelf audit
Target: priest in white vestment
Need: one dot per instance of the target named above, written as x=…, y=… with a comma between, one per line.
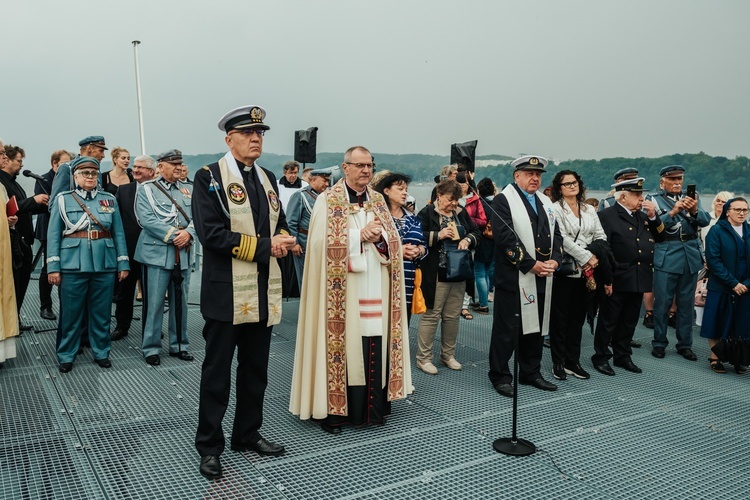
x=352, y=354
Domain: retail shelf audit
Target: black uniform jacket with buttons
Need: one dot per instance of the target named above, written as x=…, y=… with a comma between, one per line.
x=506, y=277
x=126, y=203
x=213, y=229
x=632, y=241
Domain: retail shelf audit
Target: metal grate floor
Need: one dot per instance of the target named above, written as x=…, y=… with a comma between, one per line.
x=676, y=431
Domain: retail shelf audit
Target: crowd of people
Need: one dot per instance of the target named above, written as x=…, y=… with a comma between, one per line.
x=363, y=260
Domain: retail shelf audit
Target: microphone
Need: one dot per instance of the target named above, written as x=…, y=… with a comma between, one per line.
x=29, y=173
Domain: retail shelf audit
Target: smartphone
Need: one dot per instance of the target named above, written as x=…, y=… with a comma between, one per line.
x=691, y=191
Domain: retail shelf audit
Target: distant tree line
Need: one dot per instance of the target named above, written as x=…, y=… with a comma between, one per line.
x=711, y=173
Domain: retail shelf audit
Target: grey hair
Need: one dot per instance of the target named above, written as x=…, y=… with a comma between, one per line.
x=348, y=153
x=150, y=162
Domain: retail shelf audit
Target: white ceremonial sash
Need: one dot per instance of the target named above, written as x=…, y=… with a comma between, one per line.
x=527, y=282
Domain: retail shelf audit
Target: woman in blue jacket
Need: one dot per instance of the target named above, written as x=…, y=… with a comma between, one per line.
x=85, y=250
x=727, y=312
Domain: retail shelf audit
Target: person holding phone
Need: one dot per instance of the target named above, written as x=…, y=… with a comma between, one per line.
x=677, y=260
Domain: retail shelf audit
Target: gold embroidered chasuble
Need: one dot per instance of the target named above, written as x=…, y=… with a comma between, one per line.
x=332, y=314
x=8, y=311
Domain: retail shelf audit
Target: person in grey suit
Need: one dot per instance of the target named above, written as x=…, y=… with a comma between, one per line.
x=163, y=208
x=298, y=216
x=677, y=260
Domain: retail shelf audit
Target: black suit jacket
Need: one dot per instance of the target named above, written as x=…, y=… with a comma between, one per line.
x=42, y=220
x=126, y=204
x=213, y=229
x=505, y=239
x=632, y=241
x=26, y=207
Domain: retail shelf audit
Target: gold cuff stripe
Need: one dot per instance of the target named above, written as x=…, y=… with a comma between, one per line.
x=253, y=248
x=284, y=232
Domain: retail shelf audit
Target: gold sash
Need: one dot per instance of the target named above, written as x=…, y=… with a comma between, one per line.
x=337, y=250
x=245, y=274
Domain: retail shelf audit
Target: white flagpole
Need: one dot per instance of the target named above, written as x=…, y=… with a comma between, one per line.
x=138, y=94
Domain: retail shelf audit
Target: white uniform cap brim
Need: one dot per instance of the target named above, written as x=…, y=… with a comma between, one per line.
x=524, y=159
x=242, y=110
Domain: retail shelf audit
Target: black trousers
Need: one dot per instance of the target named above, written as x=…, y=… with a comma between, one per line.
x=618, y=317
x=505, y=325
x=22, y=275
x=252, y=342
x=125, y=295
x=45, y=289
x=367, y=404
x=570, y=300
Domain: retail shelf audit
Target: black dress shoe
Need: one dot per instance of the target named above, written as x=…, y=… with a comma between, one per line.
x=604, y=368
x=153, y=360
x=635, y=343
x=331, y=429
x=688, y=354
x=65, y=367
x=103, y=363
x=210, y=467
x=265, y=447
x=183, y=355
x=629, y=366
x=648, y=320
x=504, y=390
x=540, y=383
x=46, y=313
x=119, y=334
x=657, y=352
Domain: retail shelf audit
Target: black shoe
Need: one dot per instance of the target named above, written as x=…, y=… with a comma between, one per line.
x=540, y=383
x=577, y=371
x=635, y=343
x=672, y=321
x=103, y=363
x=80, y=350
x=265, y=447
x=504, y=390
x=25, y=328
x=482, y=309
x=331, y=429
x=210, y=467
x=119, y=333
x=604, y=368
x=558, y=371
x=546, y=343
x=657, y=352
x=65, y=367
x=153, y=360
x=46, y=313
x=629, y=366
x=740, y=369
x=688, y=354
x=183, y=355
x=648, y=320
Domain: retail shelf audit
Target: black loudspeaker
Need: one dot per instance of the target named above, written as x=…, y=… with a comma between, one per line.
x=464, y=154
x=305, y=142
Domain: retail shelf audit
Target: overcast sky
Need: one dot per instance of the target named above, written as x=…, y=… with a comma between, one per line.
x=565, y=79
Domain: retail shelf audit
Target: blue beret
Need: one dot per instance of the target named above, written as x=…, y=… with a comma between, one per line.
x=672, y=169
x=171, y=156
x=84, y=161
x=626, y=171
x=96, y=140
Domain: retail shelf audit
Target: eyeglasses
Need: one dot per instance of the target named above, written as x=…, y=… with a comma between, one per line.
x=360, y=166
x=89, y=174
x=247, y=132
x=570, y=185
x=739, y=210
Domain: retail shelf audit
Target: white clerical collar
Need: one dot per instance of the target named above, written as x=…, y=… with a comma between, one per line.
x=358, y=193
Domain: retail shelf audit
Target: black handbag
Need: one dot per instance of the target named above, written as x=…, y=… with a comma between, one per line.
x=568, y=266
x=458, y=264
